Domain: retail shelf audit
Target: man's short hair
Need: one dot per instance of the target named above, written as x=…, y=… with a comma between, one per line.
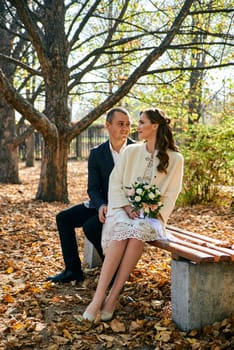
x=111, y=112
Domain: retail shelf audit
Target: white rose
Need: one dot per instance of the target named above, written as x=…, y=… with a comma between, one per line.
x=151, y=195
x=137, y=199
x=139, y=191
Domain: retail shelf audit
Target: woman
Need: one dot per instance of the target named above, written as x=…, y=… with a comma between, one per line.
x=156, y=161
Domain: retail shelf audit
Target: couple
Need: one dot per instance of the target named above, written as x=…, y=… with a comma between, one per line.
x=156, y=161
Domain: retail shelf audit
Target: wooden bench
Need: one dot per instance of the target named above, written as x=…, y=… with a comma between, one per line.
x=202, y=277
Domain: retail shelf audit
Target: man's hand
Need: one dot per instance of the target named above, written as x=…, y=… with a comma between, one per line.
x=102, y=213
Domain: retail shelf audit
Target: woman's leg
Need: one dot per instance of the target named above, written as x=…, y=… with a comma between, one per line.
x=129, y=260
x=111, y=263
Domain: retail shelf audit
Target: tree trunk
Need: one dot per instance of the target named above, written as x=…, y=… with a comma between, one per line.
x=8, y=153
x=53, y=177
x=196, y=80
x=30, y=150
x=195, y=97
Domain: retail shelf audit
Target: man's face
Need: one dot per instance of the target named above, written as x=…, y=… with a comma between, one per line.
x=119, y=128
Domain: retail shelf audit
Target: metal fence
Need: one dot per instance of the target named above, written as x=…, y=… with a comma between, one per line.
x=79, y=147
x=89, y=138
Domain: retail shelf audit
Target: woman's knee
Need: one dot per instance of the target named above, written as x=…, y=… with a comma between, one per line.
x=136, y=243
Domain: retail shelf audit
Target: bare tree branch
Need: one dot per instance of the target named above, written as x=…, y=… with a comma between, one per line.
x=20, y=64
x=37, y=119
x=139, y=71
x=21, y=138
x=188, y=68
x=210, y=11
x=208, y=33
x=83, y=22
x=74, y=21
x=98, y=54
x=33, y=30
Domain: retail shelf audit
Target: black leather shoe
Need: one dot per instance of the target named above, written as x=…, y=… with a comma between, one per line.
x=66, y=276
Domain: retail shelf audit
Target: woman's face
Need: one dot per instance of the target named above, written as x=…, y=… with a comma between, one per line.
x=146, y=130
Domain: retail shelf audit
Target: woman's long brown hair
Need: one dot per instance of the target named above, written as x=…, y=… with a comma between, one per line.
x=164, y=140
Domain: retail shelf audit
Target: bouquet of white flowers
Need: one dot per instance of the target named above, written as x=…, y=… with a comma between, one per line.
x=145, y=198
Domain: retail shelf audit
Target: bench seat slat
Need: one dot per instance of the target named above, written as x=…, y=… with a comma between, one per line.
x=191, y=239
x=184, y=252
x=224, y=250
x=221, y=254
x=230, y=252
x=217, y=242
x=185, y=238
x=218, y=256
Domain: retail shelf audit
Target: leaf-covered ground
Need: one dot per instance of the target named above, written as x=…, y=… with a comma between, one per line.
x=35, y=314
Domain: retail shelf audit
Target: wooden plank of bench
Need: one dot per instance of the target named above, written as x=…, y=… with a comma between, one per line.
x=184, y=252
x=223, y=254
x=217, y=242
x=186, y=238
x=224, y=250
x=199, y=242
x=218, y=256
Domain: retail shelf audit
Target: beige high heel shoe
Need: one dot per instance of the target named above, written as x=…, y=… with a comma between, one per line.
x=106, y=316
x=88, y=316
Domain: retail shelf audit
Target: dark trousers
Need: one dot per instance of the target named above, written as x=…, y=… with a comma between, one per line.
x=67, y=220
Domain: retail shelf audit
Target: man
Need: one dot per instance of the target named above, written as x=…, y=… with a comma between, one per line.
x=90, y=215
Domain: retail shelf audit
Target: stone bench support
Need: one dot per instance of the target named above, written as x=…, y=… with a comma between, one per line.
x=201, y=294
x=91, y=256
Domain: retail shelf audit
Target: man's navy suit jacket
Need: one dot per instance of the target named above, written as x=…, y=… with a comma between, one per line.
x=100, y=165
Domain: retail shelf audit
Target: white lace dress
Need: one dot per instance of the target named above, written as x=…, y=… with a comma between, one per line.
x=119, y=226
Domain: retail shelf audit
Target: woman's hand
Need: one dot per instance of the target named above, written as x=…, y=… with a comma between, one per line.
x=132, y=214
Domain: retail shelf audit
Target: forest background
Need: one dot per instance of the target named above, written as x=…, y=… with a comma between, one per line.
x=63, y=65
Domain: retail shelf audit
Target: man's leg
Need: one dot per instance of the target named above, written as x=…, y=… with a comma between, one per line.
x=67, y=220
